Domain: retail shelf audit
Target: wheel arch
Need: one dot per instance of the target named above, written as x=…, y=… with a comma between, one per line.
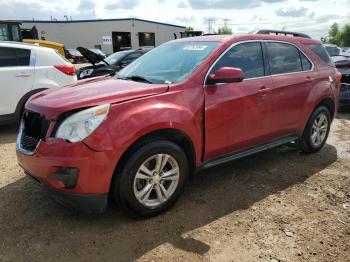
x=170, y=134
x=329, y=104
x=24, y=99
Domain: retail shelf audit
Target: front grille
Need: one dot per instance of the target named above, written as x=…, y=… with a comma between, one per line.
x=34, y=128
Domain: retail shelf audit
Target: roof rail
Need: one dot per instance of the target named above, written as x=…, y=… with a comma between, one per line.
x=279, y=32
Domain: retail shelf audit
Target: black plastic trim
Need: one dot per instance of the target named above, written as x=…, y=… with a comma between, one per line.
x=87, y=203
x=248, y=151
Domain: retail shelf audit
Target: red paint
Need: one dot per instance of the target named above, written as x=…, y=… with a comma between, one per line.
x=217, y=118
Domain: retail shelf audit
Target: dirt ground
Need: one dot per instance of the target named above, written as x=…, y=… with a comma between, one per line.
x=279, y=205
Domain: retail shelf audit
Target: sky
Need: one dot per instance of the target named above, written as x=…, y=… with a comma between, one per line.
x=313, y=17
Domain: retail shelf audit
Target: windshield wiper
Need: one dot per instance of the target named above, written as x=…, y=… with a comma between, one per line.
x=137, y=79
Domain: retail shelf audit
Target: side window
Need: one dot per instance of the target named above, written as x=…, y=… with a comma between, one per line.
x=283, y=58
x=4, y=34
x=14, y=57
x=23, y=57
x=130, y=58
x=247, y=56
x=8, y=57
x=305, y=63
x=15, y=33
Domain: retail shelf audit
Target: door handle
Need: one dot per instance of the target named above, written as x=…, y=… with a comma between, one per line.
x=23, y=75
x=263, y=90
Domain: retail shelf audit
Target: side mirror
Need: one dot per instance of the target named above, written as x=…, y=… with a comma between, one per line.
x=226, y=75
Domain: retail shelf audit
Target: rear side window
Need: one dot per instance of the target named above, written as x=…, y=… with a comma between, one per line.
x=305, y=62
x=284, y=58
x=23, y=57
x=14, y=57
x=247, y=56
x=322, y=53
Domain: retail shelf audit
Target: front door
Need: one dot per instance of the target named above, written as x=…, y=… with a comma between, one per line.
x=238, y=115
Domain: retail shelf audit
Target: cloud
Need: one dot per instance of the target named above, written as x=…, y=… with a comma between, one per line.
x=86, y=5
x=29, y=10
x=326, y=18
x=185, y=19
x=122, y=4
x=229, y=4
x=182, y=4
x=293, y=11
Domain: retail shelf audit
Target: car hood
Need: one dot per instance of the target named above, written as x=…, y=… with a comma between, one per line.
x=90, y=56
x=94, y=91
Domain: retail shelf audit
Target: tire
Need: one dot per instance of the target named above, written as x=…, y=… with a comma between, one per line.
x=311, y=142
x=149, y=192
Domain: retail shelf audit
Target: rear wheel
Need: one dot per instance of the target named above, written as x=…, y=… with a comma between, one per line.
x=317, y=130
x=152, y=179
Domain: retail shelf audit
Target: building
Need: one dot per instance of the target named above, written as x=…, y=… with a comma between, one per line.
x=109, y=35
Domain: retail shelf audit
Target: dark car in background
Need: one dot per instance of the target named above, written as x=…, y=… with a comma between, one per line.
x=343, y=65
x=108, y=66
x=75, y=55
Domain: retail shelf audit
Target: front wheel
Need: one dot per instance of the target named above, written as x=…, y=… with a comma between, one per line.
x=316, y=131
x=152, y=179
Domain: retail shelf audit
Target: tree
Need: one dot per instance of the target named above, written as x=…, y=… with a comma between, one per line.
x=339, y=36
x=224, y=30
x=334, y=34
x=345, y=36
x=189, y=29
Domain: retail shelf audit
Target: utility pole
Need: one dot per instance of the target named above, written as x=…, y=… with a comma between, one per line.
x=226, y=22
x=210, y=22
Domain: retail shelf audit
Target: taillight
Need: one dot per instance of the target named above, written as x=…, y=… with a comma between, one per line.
x=338, y=79
x=67, y=69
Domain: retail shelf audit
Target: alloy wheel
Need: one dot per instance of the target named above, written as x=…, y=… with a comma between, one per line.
x=156, y=180
x=319, y=130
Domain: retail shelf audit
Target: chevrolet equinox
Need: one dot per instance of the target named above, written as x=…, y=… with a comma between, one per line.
x=186, y=105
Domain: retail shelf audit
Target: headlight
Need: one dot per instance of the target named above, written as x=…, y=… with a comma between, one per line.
x=80, y=125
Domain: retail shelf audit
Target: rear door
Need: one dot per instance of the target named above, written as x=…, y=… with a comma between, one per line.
x=238, y=115
x=16, y=74
x=293, y=79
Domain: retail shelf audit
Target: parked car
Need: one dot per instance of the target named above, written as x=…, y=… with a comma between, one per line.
x=110, y=65
x=98, y=52
x=333, y=50
x=26, y=70
x=75, y=55
x=189, y=104
x=343, y=65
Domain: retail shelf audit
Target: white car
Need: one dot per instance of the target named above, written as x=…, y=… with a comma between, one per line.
x=26, y=70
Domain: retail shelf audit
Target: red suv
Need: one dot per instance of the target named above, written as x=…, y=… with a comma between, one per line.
x=188, y=104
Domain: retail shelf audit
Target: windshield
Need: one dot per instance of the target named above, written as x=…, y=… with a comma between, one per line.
x=170, y=62
x=113, y=59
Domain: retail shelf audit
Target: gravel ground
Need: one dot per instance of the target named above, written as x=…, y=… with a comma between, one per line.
x=279, y=205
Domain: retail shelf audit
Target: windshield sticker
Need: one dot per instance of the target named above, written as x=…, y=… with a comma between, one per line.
x=195, y=47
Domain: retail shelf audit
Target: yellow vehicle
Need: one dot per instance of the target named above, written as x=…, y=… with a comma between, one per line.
x=54, y=45
x=11, y=31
